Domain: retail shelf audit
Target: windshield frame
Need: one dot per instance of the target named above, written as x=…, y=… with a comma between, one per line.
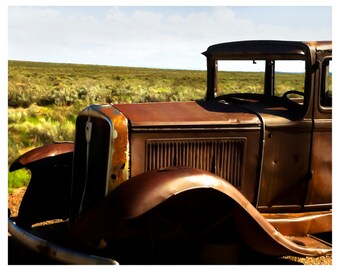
x=212, y=74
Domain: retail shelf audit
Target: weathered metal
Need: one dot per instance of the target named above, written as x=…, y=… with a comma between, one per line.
x=237, y=168
x=48, y=150
x=112, y=219
x=179, y=114
x=50, y=165
x=59, y=253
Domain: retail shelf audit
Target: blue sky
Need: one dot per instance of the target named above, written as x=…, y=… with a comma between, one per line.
x=152, y=36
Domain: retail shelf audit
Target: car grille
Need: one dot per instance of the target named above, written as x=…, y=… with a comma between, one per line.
x=90, y=164
x=221, y=156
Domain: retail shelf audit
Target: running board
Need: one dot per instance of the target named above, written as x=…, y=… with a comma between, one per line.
x=310, y=242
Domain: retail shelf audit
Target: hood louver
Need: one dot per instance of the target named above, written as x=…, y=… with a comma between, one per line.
x=221, y=156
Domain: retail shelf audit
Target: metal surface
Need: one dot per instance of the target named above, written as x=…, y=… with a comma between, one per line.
x=129, y=202
x=185, y=114
x=92, y=160
x=265, y=49
x=48, y=150
x=221, y=156
x=249, y=169
x=301, y=223
x=54, y=251
x=102, y=163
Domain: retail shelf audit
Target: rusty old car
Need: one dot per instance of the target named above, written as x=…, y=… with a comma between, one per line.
x=193, y=182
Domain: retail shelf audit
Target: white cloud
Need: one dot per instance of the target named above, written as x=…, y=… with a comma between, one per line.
x=136, y=37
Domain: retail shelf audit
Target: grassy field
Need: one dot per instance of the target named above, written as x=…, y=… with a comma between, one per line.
x=44, y=98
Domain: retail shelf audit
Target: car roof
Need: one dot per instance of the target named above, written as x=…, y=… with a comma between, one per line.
x=266, y=48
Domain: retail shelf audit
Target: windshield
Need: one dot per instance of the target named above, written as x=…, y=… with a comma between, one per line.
x=284, y=78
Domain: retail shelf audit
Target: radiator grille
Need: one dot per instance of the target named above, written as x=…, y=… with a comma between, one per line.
x=90, y=169
x=221, y=156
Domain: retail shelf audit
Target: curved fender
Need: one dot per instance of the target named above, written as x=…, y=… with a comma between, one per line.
x=49, y=189
x=144, y=192
x=48, y=150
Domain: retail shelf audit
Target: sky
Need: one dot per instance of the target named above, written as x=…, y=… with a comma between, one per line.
x=152, y=36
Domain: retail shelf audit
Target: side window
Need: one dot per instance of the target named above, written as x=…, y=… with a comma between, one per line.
x=326, y=87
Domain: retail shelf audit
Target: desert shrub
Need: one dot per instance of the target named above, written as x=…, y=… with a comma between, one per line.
x=16, y=115
x=19, y=98
x=64, y=96
x=35, y=126
x=46, y=131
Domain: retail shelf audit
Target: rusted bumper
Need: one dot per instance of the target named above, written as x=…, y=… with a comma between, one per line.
x=54, y=251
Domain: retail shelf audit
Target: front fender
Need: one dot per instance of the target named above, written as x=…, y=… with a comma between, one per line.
x=143, y=193
x=48, y=193
x=49, y=150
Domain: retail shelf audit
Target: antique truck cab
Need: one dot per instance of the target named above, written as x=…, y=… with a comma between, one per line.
x=188, y=181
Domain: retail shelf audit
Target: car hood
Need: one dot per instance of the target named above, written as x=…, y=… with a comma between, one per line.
x=199, y=113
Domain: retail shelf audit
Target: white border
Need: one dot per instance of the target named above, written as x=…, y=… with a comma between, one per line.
x=4, y=85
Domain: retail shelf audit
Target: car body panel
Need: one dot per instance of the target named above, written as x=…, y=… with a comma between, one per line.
x=129, y=202
x=172, y=114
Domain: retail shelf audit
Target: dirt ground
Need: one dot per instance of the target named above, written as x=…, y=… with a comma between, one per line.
x=20, y=255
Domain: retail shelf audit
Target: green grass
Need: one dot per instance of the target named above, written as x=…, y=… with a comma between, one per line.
x=18, y=179
x=64, y=84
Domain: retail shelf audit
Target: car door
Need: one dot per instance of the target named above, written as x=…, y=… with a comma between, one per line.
x=320, y=186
